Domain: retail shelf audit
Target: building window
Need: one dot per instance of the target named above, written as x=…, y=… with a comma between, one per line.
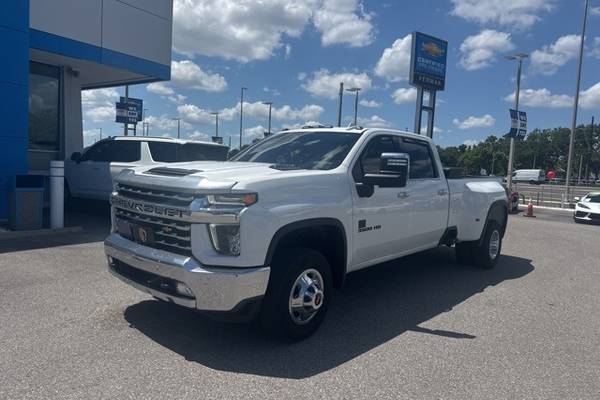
x=44, y=107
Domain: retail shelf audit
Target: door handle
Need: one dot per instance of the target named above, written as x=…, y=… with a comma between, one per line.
x=403, y=195
x=442, y=192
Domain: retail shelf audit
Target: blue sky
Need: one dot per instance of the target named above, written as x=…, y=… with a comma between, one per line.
x=295, y=52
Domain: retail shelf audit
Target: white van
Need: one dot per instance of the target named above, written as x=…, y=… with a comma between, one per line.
x=532, y=176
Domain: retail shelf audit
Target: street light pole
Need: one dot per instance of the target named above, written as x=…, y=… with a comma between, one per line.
x=216, y=114
x=178, y=125
x=355, y=90
x=341, y=96
x=144, y=113
x=241, y=113
x=519, y=58
x=575, y=104
x=100, y=129
x=270, y=104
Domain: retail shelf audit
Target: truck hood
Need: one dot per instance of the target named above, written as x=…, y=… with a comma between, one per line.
x=200, y=176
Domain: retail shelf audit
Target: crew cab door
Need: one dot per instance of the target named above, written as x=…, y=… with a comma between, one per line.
x=381, y=221
x=427, y=190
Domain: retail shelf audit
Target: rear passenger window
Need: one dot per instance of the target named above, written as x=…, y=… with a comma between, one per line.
x=113, y=151
x=163, y=152
x=422, y=164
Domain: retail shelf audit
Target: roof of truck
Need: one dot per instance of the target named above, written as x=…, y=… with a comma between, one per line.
x=161, y=139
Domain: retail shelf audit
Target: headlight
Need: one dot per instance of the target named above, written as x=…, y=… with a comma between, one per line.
x=233, y=199
x=583, y=206
x=225, y=239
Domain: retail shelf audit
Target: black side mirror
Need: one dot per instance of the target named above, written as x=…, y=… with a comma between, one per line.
x=76, y=156
x=393, y=171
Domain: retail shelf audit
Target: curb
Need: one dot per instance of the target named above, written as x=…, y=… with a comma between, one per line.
x=524, y=207
x=8, y=235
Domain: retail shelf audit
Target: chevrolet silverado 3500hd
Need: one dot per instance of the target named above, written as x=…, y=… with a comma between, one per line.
x=271, y=232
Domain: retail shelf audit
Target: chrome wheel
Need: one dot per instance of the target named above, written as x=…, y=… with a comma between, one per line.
x=494, y=248
x=306, y=297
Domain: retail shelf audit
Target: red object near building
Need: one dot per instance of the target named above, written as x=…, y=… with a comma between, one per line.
x=551, y=175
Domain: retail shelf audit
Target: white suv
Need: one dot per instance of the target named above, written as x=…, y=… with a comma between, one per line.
x=90, y=175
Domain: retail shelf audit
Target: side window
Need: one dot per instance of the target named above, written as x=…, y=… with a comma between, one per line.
x=370, y=159
x=113, y=151
x=199, y=152
x=98, y=152
x=163, y=152
x=422, y=165
x=124, y=151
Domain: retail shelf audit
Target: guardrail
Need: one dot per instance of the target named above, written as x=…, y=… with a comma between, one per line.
x=549, y=195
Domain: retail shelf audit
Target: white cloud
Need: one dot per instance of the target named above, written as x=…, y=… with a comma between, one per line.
x=257, y=132
x=518, y=14
x=404, y=95
x=473, y=122
x=344, y=22
x=187, y=74
x=394, y=63
x=195, y=115
x=299, y=125
x=471, y=142
x=165, y=123
x=241, y=30
x=551, y=57
x=369, y=103
x=435, y=129
x=200, y=136
x=99, y=104
x=374, y=121
x=595, y=52
x=479, y=51
x=160, y=88
x=325, y=84
x=595, y=11
x=260, y=110
x=288, y=51
x=540, y=98
x=590, y=98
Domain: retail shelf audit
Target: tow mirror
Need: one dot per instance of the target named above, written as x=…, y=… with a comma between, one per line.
x=393, y=171
x=76, y=156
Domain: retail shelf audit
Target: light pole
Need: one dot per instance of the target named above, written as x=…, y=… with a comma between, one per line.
x=519, y=58
x=144, y=113
x=341, y=97
x=216, y=114
x=178, y=125
x=270, y=104
x=241, y=112
x=355, y=90
x=100, y=129
x=575, y=104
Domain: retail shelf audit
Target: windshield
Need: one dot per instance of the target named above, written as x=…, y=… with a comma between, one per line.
x=301, y=150
x=593, y=198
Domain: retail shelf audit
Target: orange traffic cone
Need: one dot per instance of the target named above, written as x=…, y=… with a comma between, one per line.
x=529, y=210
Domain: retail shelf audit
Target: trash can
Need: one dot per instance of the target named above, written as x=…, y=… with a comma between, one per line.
x=26, y=202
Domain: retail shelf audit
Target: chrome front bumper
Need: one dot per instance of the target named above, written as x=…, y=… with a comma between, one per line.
x=215, y=288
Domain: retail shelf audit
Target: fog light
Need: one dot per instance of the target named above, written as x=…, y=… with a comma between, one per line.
x=226, y=239
x=182, y=289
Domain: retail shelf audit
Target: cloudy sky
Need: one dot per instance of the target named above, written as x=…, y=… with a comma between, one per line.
x=295, y=53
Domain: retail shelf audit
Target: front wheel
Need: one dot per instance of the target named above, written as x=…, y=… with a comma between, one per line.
x=487, y=252
x=298, y=294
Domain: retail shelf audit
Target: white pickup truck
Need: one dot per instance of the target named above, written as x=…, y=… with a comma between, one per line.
x=271, y=232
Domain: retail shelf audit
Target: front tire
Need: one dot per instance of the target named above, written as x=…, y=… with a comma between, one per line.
x=487, y=252
x=298, y=294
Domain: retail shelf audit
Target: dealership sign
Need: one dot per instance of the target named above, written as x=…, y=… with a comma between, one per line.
x=126, y=113
x=518, y=124
x=138, y=103
x=428, y=62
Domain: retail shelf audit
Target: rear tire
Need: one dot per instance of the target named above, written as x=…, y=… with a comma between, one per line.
x=298, y=295
x=487, y=252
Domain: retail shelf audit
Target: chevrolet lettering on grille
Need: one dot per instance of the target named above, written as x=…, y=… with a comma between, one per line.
x=147, y=208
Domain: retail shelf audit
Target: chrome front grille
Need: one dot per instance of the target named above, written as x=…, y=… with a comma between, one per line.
x=169, y=235
x=159, y=196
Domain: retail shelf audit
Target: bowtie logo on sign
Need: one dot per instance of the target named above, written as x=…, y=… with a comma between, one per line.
x=518, y=124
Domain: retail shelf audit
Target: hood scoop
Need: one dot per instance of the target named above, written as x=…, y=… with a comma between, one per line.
x=166, y=171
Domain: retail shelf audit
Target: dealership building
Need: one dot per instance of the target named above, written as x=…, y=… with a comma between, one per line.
x=53, y=50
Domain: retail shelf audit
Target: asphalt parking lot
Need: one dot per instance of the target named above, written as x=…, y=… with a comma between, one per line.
x=422, y=327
